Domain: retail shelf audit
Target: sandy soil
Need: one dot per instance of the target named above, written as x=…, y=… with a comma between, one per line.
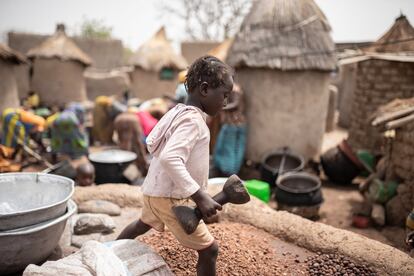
x=244, y=250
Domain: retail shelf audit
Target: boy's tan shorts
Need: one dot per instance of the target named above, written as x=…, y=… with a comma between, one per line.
x=157, y=213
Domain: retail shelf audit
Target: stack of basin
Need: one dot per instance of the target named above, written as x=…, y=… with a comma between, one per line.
x=34, y=208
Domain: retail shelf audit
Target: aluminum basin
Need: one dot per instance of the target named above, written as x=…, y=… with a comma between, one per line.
x=31, y=244
x=31, y=198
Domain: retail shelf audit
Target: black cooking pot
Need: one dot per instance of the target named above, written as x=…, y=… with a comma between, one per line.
x=298, y=189
x=110, y=165
x=338, y=167
x=269, y=169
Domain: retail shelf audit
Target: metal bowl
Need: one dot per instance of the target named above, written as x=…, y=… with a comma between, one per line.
x=110, y=165
x=31, y=198
x=112, y=156
x=269, y=170
x=31, y=244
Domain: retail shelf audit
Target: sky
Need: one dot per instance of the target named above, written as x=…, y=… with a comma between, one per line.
x=134, y=21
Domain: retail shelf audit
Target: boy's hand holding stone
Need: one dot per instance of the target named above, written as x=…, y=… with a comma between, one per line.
x=207, y=205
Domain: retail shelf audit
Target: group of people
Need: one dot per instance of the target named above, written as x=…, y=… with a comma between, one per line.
x=67, y=132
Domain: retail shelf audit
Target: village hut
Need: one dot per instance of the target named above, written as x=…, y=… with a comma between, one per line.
x=283, y=55
x=156, y=66
x=8, y=84
x=58, y=67
x=397, y=120
x=384, y=72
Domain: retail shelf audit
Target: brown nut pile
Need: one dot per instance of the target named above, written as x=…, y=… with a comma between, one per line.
x=335, y=264
x=243, y=250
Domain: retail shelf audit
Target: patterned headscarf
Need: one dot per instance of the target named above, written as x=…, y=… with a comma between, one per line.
x=79, y=111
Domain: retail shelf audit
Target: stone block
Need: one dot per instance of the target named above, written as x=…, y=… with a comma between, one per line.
x=99, y=207
x=93, y=223
x=395, y=212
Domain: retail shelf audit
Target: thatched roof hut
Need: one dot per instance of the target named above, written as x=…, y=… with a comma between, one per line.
x=155, y=67
x=283, y=54
x=8, y=85
x=58, y=66
x=399, y=38
x=284, y=35
x=385, y=72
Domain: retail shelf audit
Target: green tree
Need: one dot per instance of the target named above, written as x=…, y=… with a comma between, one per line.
x=94, y=28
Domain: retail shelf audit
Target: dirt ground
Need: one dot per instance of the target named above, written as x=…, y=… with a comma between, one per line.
x=244, y=250
x=342, y=201
x=339, y=205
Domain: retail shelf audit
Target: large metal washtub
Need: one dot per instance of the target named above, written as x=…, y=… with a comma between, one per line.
x=31, y=198
x=31, y=244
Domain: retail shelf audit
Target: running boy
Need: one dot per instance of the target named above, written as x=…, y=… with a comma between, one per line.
x=179, y=169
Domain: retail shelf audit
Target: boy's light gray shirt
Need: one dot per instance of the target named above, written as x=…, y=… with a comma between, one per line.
x=179, y=144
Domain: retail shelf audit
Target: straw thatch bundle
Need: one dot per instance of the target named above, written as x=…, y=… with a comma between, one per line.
x=158, y=53
x=9, y=55
x=285, y=35
x=60, y=46
x=399, y=38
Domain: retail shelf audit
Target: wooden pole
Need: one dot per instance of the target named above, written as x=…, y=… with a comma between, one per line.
x=399, y=122
x=391, y=116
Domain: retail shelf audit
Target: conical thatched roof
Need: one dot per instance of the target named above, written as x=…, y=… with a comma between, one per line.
x=286, y=35
x=221, y=51
x=60, y=46
x=400, y=38
x=157, y=53
x=10, y=55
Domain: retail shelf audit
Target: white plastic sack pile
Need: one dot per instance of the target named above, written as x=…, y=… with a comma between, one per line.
x=118, y=258
x=93, y=258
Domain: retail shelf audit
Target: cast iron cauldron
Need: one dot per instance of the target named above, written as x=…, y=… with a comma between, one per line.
x=340, y=164
x=269, y=168
x=298, y=189
x=110, y=165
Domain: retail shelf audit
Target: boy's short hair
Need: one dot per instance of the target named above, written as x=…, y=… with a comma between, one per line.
x=206, y=69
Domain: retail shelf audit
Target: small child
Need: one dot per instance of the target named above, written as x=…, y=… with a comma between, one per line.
x=85, y=175
x=179, y=169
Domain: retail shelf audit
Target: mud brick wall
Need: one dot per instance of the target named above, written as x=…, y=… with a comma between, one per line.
x=105, y=53
x=402, y=160
x=378, y=82
x=402, y=154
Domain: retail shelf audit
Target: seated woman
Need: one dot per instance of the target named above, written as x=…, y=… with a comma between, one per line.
x=68, y=134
